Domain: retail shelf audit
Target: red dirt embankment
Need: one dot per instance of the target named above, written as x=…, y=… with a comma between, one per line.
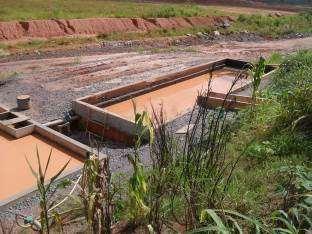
x=57, y=28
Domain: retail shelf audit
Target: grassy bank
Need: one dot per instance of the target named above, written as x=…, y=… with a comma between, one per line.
x=70, y=9
x=274, y=26
x=281, y=145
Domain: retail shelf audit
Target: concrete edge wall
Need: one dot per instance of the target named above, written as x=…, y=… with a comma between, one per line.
x=98, y=115
x=115, y=92
x=248, y=84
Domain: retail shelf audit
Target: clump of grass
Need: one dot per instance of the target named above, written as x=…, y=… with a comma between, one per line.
x=4, y=50
x=275, y=58
x=174, y=11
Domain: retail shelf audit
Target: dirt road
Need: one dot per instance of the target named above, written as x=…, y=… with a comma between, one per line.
x=54, y=83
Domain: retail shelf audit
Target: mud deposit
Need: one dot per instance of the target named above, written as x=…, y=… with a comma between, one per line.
x=14, y=167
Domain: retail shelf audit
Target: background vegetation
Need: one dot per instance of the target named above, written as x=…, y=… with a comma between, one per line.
x=72, y=9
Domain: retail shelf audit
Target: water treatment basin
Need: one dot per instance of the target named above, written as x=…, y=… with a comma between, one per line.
x=111, y=113
x=176, y=99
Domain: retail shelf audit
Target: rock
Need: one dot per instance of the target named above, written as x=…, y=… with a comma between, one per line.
x=199, y=34
x=226, y=24
x=216, y=33
x=184, y=129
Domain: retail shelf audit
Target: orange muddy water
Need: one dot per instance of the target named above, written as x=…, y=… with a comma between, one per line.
x=15, y=175
x=174, y=100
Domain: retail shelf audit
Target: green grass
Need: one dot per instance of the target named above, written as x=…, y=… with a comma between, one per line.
x=274, y=26
x=69, y=9
x=38, y=45
x=275, y=144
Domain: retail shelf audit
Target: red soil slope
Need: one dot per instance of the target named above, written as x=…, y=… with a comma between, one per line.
x=57, y=28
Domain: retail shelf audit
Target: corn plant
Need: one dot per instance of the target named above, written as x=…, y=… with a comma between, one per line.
x=97, y=194
x=45, y=189
x=257, y=71
x=137, y=191
x=137, y=209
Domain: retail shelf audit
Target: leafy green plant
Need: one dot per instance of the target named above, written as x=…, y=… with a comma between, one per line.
x=44, y=189
x=137, y=191
x=296, y=190
x=227, y=221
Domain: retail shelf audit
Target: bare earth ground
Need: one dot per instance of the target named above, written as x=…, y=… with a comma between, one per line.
x=53, y=83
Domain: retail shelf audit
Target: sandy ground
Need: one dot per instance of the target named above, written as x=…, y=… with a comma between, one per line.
x=54, y=83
